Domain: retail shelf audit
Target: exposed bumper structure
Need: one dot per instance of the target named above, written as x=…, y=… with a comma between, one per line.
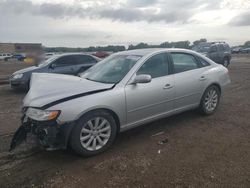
x=50, y=134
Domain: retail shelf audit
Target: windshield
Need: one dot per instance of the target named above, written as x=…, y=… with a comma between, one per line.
x=112, y=69
x=46, y=62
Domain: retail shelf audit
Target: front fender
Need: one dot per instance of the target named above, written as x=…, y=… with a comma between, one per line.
x=113, y=100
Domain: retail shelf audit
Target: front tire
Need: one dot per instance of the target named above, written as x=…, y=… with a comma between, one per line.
x=93, y=133
x=210, y=100
x=226, y=62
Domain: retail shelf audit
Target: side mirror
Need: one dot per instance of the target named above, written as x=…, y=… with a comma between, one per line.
x=142, y=79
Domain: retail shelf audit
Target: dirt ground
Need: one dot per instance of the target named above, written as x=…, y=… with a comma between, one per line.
x=8, y=67
x=186, y=150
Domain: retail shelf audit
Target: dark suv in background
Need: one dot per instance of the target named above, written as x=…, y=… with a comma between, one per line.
x=219, y=52
x=72, y=64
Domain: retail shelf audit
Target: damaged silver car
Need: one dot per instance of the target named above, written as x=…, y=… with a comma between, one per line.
x=125, y=90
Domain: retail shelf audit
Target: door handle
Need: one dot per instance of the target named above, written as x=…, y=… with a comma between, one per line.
x=202, y=78
x=168, y=86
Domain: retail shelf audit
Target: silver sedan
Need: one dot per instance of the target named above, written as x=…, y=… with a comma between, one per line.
x=125, y=90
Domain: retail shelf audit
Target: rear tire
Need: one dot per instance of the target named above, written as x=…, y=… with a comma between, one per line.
x=226, y=62
x=210, y=100
x=93, y=133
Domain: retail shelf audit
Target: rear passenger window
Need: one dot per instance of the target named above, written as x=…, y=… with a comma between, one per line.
x=156, y=66
x=203, y=62
x=84, y=59
x=221, y=47
x=184, y=62
x=226, y=46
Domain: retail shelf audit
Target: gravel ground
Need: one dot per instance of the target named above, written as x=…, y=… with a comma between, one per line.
x=186, y=150
x=7, y=68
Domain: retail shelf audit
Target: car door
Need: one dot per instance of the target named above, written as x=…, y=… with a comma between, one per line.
x=145, y=101
x=63, y=65
x=214, y=53
x=190, y=79
x=83, y=62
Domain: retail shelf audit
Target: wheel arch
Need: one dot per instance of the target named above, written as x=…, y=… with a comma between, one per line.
x=111, y=112
x=227, y=57
x=212, y=84
x=215, y=84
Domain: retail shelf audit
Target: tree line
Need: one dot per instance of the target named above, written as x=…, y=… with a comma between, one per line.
x=110, y=48
x=115, y=48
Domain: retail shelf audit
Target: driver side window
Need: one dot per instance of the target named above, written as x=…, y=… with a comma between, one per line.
x=156, y=66
x=64, y=61
x=84, y=59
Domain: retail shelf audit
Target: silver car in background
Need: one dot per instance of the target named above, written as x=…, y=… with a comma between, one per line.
x=123, y=91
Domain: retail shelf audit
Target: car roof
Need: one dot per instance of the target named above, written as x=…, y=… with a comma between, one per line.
x=147, y=51
x=140, y=52
x=66, y=54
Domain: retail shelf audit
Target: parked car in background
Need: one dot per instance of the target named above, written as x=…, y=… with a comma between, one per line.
x=121, y=92
x=19, y=57
x=72, y=64
x=237, y=50
x=246, y=50
x=5, y=56
x=48, y=55
x=102, y=54
x=219, y=52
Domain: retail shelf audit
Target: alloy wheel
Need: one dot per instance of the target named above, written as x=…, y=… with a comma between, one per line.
x=95, y=133
x=211, y=100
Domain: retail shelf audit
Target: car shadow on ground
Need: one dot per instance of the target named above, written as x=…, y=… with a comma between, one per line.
x=156, y=128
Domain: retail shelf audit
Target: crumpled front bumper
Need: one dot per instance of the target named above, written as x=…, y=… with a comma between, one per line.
x=50, y=134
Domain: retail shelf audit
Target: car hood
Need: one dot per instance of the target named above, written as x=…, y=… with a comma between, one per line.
x=29, y=69
x=46, y=88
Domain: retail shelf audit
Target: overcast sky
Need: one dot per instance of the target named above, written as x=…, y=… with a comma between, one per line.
x=81, y=23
